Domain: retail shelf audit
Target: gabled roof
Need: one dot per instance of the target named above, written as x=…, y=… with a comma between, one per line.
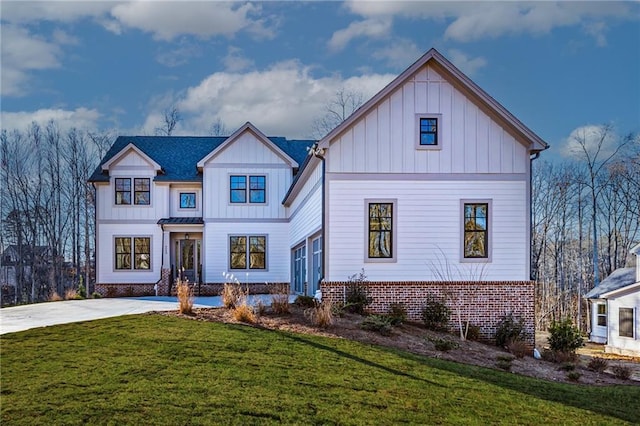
x=618, y=279
x=248, y=127
x=179, y=155
x=124, y=151
x=461, y=82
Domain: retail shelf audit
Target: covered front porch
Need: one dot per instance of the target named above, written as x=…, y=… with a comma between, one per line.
x=182, y=253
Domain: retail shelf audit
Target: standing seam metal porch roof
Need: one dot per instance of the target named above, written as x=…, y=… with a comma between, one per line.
x=178, y=155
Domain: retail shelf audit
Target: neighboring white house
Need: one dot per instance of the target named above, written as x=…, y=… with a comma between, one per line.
x=426, y=186
x=615, y=310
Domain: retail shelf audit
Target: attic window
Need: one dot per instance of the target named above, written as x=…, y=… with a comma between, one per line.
x=428, y=131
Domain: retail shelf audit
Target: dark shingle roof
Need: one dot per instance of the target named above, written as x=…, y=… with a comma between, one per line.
x=181, y=221
x=178, y=155
x=619, y=278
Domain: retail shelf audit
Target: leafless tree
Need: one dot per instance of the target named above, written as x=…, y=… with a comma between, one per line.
x=171, y=118
x=218, y=128
x=342, y=105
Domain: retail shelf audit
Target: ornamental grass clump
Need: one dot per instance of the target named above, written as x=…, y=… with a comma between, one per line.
x=598, y=364
x=280, y=300
x=321, y=315
x=185, y=297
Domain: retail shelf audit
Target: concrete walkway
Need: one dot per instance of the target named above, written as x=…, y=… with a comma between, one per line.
x=25, y=317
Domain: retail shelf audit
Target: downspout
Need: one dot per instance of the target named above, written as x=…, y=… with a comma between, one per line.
x=319, y=153
x=531, y=160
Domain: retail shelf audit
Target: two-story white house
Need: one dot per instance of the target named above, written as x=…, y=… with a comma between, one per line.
x=426, y=187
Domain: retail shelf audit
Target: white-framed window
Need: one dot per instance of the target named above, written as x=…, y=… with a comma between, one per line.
x=428, y=134
x=625, y=322
x=476, y=230
x=251, y=189
x=132, y=252
x=601, y=314
x=380, y=240
x=247, y=252
x=299, y=268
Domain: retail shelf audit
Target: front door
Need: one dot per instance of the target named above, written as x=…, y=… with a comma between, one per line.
x=188, y=256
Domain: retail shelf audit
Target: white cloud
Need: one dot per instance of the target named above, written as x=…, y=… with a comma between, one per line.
x=480, y=20
x=167, y=20
x=597, y=140
x=62, y=11
x=80, y=118
x=468, y=65
x=373, y=28
x=399, y=54
x=179, y=55
x=235, y=61
x=22, y=52
x=281, y=100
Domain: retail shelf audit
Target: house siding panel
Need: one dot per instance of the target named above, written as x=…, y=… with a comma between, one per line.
x=429, y=229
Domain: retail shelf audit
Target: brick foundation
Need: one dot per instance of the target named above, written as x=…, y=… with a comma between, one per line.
x=482, y=303
x=209, y=289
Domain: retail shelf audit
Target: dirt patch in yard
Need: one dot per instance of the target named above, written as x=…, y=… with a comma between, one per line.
x=416, y=339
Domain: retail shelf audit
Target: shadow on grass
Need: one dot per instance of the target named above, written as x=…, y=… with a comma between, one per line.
x=613, y=400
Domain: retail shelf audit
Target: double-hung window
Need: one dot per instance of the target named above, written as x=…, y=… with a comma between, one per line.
x=476, y=230
x=123, y=191
x=256, y=189
x=132, y=253
x=602, y=314
x=248, y=252
x=625, y=319
x=380, y=230
x=428, y=135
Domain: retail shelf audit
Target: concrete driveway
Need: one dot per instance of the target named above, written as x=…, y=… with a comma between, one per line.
x=24, y=317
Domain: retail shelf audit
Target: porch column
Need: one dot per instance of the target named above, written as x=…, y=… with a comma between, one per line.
x=166, y=258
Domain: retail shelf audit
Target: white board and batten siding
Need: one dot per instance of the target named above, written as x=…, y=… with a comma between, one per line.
x=305, y=211
x=624, y=299
x=131, y=165
x=384, y=140
x=428, y=218
x=216, y=247
x=250, y=157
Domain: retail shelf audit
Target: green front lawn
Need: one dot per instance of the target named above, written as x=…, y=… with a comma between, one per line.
x=154, y=369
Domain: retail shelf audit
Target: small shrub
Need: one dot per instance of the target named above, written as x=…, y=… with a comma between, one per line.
x=559, y=357
x=509, y=329
x=243, y=313
x=565, y=337
x=397, y=313
x=378, y=323
x=71, y=294
x=574, y=376
x=518, y=348
x=507, y=358
x=444, y=345
x=598, y=364
x=305, y=301
x=337, y=309
x=55, y=297
x=567, y=366
x=321, y=315
x=473, y=333
x=503, y=364
x=280, y=300
x=357, y=295
x=185, y=297
x=82, y=292
x=96, y=295
x=621, y=372
x=435, y=314
x=231, y=295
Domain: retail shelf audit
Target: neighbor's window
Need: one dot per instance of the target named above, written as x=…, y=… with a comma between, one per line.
x=380, y=230
x=187, y=200
x=253, y=248
x=137, y=249
x=257, y=185
x=238, y=187
x=123, y=190
x=476, y=228
x=625, y=318
x=142, y=191
x=602, y=314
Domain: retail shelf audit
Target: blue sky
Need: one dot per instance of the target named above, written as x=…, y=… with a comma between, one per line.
x=118, y=65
